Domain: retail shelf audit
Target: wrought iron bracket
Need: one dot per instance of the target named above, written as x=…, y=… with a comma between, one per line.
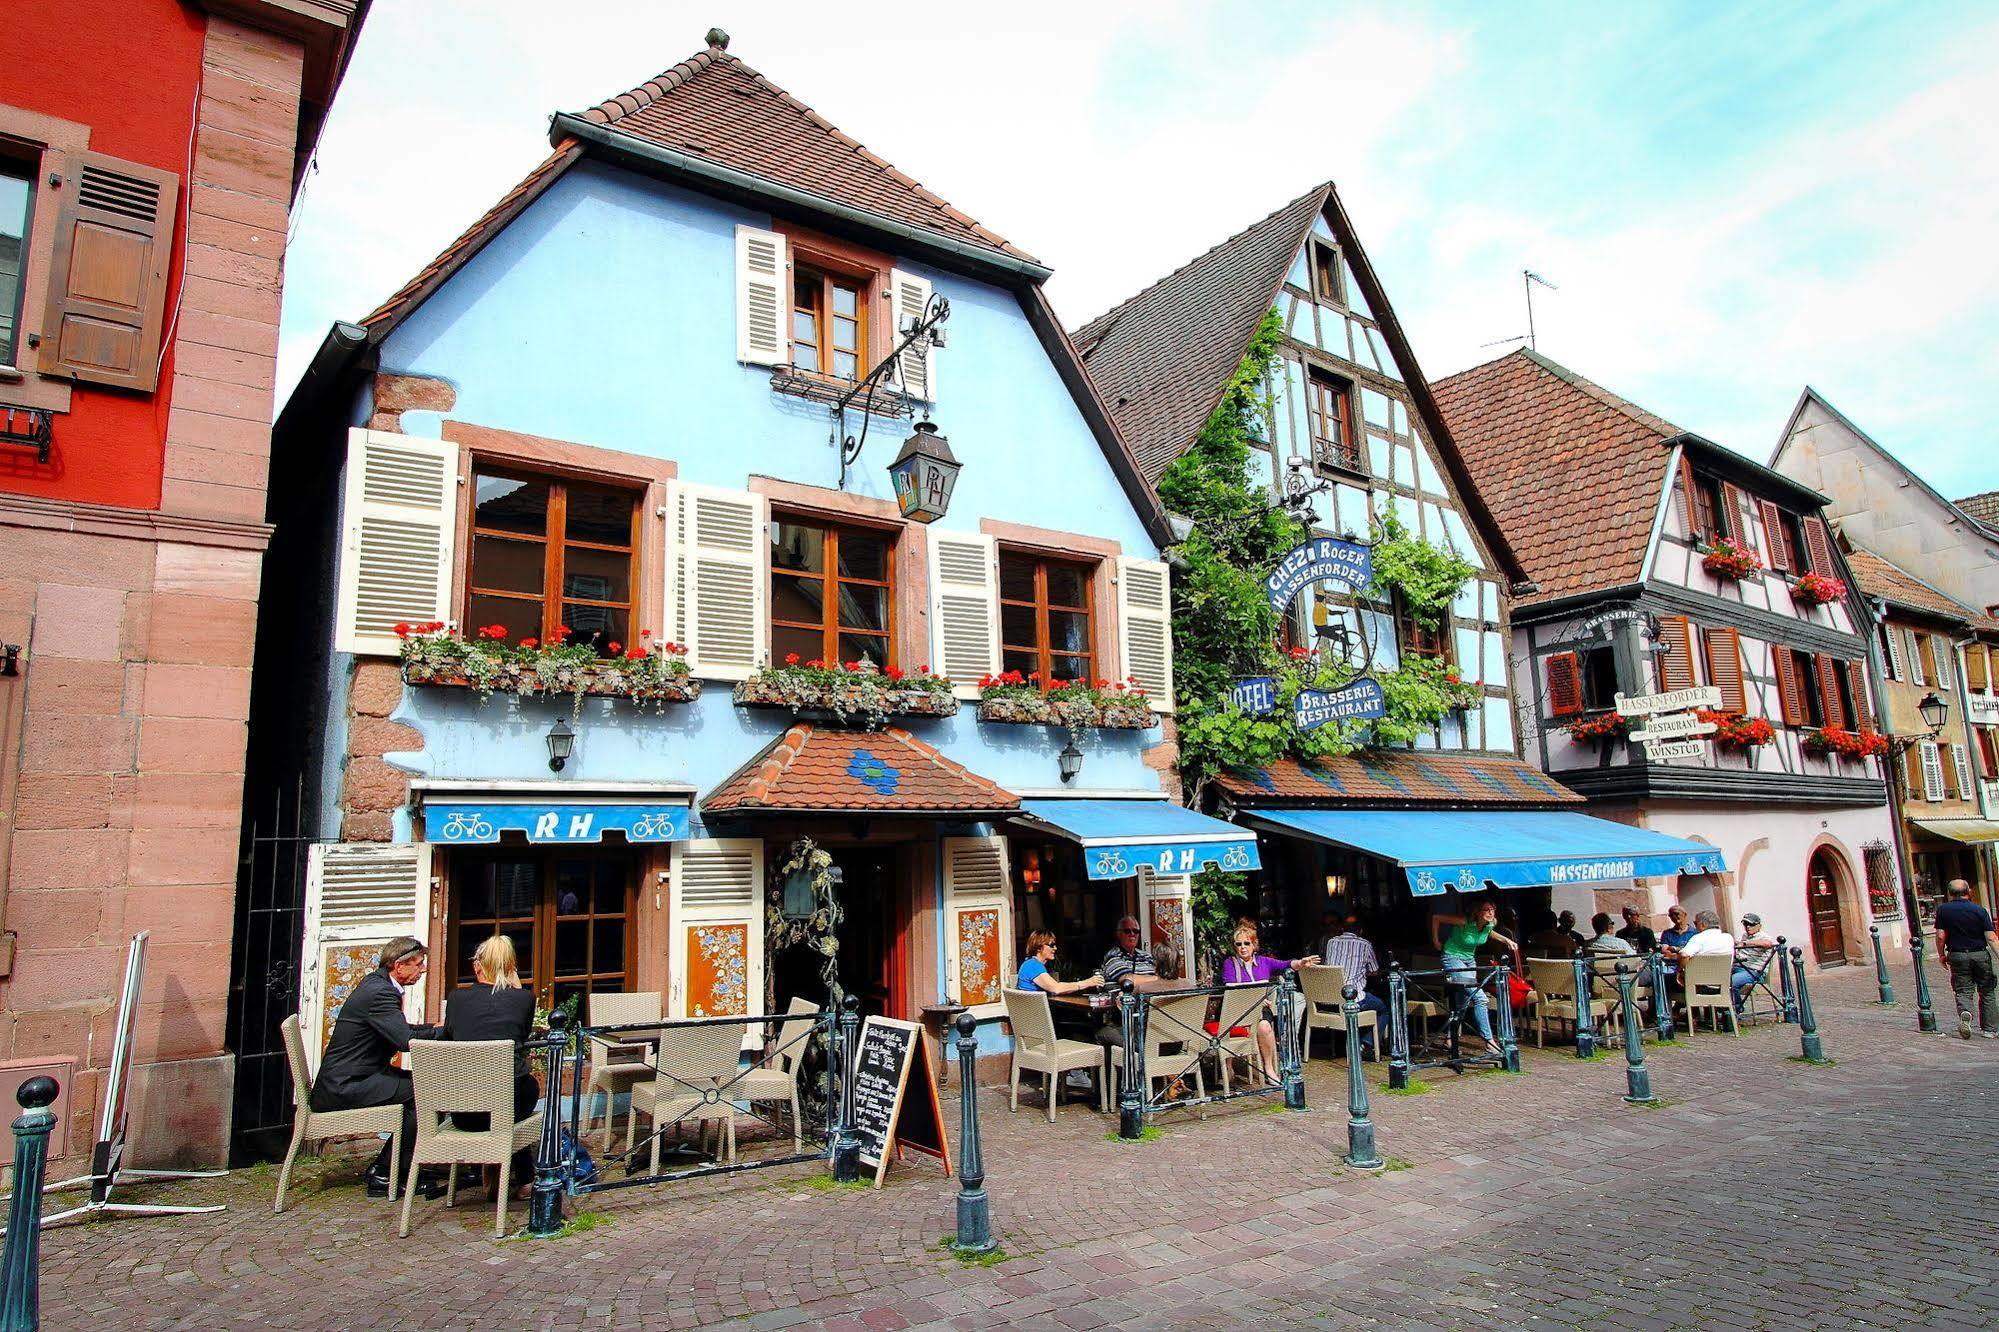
x=927, y=330
x=33, y=427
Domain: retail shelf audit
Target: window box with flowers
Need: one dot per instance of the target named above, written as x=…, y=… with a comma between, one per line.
x=1845, y=743
x=646, y=672
x=1015, y=698
x=857, y=693
x=1605, y=728
x=1816, y=589
x=1734, y=731
x=1730, y=560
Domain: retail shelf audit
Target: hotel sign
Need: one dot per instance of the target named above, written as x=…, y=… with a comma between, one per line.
x=1255, y=695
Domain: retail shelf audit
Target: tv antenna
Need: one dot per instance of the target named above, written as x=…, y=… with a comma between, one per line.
x=1528, y=277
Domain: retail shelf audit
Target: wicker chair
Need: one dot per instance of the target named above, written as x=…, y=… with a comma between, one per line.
x=618, y=1066
x=1322, y=1007
x=693, y=1063
x=310, y=1123
x=1177, y=1023
x=1037, y=1049
x=1706, y=977
x=1241, y=1010
x=775, y=1082
x=467, y=1077
x=1554, y=982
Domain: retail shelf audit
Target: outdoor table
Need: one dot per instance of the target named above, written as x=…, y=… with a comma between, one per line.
x=1094, y=1008
x=936, y=1020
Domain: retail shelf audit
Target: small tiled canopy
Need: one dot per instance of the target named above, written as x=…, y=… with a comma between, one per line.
x=828, y=770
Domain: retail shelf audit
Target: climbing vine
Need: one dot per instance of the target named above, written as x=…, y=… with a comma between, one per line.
x=1425, y=578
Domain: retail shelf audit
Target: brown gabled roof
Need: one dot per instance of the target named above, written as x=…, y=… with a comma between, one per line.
x=820, y=769
x=1983, y=506
x=1574, y=471
x=1898, y=587
x=1396, y=777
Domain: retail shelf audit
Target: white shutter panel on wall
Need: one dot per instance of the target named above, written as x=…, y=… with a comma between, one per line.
x=1145, y=627
x=1945, y=651
x=760, y=297
x=1960, y=761
x=917, y=367
x=1932, y=771
x=964, y=608
x=978, y=922
x=1166, y=915
x=715, y=948
x=719, y=569
x=358, y=896
x=1913, y=656
x=398, y=514
x=1897, y=668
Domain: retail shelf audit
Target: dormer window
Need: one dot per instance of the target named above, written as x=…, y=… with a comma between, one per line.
x=1326, y=284
x=829, y=323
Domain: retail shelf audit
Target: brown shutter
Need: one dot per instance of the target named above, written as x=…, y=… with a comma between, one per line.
x=1731, y=524
x=1975, y=674
x=1818, y=547
x=1926, y=652
x=1790, y=687
x=1829, y=704
x=1689, y=511
x=1724, y=668
x=108, y=282
x=1676, y=668
x=1912, y=771
x=1988, y=753
x=1565, y=685
x=1775, y=544
x=1948, y=762
x=1863, y=707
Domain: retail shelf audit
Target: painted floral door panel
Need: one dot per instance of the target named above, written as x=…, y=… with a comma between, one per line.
x=718, y=970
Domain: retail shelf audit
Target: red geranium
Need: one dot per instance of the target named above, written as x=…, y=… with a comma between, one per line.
x=530, y=642
x=402, y=630
x=892, y=673
x=616, y=647
x=791, y=658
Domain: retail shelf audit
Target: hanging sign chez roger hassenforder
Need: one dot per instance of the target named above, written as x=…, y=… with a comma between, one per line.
x=1319, y=560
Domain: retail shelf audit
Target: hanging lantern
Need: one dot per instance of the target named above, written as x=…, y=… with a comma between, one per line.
x=799, y=903
x=924, y=474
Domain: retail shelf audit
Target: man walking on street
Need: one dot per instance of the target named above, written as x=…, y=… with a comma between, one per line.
x=1965, y=939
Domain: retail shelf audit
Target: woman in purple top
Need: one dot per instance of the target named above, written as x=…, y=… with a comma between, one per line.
x=1248, y=966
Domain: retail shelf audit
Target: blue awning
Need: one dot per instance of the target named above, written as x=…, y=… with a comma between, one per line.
x=1474, y=849
x=458, y=822
x=1118, y=836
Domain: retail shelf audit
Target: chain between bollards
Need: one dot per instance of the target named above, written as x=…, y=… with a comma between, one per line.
x=1131, y=1101
x=1880, y=966
x=1290, y=1068
x=21, y=1265
x=1637, y=1078
x=1509, y=1048
x=975, y=1221
x=1398, y=1028
x=1808, y=1027
x=1361, y=1153
x=846, y=1143
x=1784, y=985
x=1585, y=1019
x=1926, y=1015
x=545, y=1208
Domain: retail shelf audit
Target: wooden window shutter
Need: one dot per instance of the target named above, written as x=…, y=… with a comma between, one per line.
x=1818, y=547
x=1913, y=657
x=1676, y=668
x=1960, y=766
x=1863, y=706
x=1926, y=652
x=978, y=925
x=917, y=367
x=1732, y=523
x=1947, y=771
x=1689, y=511
x=1988, y=753
x=715, y=943
x=1790, y=687
x=1976, y=675
x=1776, y=544
x=358, y=896
x=964, y=608
x=1891, y=653
x=1724, y=668
x=762, y=301
x=108, y=280
x=1912, y=770
x=1932, y=770
x=1828, y=673
x=1166, y=915
x=1145, y=627
x=1565, y=684
x=1946, y=654
x=398, y=522
x=721, y=570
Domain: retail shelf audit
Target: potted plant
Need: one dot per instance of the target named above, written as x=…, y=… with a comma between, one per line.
x=1851, y=745
x=647, y=672
x=1816, y=589
x=850, y=692
x=1017, y=698
x=1730, y=560
x=1602, y=727
x=1738, y=732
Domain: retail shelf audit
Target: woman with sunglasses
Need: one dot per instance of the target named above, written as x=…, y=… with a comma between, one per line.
x=1034, y=972
x=1248, y=966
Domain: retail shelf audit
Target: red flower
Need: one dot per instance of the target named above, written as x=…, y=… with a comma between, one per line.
x=1034, y=676
x=816, y=664
x=530, y=642
x=924, y=668
x=1103, y=684
x=893, y=673
x=645, y=633
x=494, y=631
x=850, y=666
x=562, y=631
x=402, y=630
x=1120, y=686
x=985, y=681
x=791, y=658
x=638, y=653
x=616, y=647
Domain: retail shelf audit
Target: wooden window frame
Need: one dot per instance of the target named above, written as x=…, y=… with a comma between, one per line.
x=870, y=269
x=1710, y=503
x=1316, y=248
x=1423, y=641
x=52, y=146
x=829, y=578
x=828, y=278
x=1332, y=452
x=1042, y=647
x=1590, y=661
x=23, y=162
x=554, y=548
x=538, y=972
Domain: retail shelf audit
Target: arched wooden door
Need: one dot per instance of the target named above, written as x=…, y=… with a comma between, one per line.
x=1822, y=888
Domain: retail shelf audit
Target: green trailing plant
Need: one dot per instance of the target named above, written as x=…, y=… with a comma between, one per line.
x=1423, y=577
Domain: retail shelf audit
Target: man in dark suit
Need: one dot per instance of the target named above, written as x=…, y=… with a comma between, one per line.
x=370, y=1030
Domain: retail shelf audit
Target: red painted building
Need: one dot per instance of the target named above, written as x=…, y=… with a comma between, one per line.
x=149, y=154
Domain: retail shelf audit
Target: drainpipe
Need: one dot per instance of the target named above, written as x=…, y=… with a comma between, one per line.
x=1877, y=680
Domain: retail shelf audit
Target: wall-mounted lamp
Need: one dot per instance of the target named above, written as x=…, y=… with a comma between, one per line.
x=923, y=474
x=561, y=744
x=1336, y=885
x=1069, y=762
x=1935, y=712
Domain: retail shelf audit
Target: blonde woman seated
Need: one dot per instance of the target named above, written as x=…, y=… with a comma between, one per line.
x=497, y=1009
x=1034, y=973
x=1249, y=966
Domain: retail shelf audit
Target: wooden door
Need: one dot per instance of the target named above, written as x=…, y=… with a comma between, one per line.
x=871, y=934
x=1822, y=901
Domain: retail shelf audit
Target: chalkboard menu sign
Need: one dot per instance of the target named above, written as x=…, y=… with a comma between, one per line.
x=891, y=1057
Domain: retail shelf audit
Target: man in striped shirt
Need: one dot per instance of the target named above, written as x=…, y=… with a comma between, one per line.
x=1356, y=957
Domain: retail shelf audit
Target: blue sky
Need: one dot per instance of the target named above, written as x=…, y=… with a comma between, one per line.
x=1733, y=201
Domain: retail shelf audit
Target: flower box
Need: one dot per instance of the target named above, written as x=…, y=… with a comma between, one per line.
x=1018, y=699
x=851, y=693
x=1734, y=731
x=1851, y=746
x=434, y=655
x=1731, y=561
x=1603, y=727
x=1815, y=589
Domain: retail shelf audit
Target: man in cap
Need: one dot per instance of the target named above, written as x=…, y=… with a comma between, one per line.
x=1753, y=953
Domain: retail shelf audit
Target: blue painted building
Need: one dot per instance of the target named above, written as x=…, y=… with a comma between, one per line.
x=619, y=405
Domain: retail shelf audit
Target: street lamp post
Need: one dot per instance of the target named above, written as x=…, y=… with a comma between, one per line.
x=1935, y=712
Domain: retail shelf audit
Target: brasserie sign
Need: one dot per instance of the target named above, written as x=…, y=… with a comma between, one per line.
x=1359, y=701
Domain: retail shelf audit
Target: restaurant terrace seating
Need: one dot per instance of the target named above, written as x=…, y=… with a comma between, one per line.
x=1554, y=982
x=1234, y=1029
x=370, y=1121
x=1174, y=1034
x=1707, y=976
x=693, y=1061
x=1037, y=1049
x=466, y=1077
x=1321, y=1007
x=775, y=1081
x=618, y=1065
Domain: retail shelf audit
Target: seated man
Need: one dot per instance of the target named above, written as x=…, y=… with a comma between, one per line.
x=1637, y=933
x=1604, y=941
x=1752, y=958
x=1549, y=939
x=1127, y=958
x=1566, y=923
x=1708, y=938
x=356, y=1072
x=1356, y=957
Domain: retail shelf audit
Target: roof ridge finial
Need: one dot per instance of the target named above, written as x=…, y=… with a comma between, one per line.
x=718, y=40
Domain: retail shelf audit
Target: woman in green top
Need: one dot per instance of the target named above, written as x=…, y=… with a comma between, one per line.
x=1460, y=949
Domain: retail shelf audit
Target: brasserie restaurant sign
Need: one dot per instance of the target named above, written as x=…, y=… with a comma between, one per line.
x=1327, y=559
x=1358, y=701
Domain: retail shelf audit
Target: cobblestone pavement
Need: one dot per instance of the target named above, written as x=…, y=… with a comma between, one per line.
x=1764, y=1193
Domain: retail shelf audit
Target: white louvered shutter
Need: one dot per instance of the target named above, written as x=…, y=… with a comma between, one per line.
x=1166, y=914
x=1914, y=658
x=1932, y=771
x=760, y=297
x=964, y=608
x=719, y=570
x=358, y=896
x=715, y=949
x=1961, y=762
x=1897, y=668
x=978, y=922
x=1945, y=651
x=1145, y=627
x=916, y=367
x=397, y=520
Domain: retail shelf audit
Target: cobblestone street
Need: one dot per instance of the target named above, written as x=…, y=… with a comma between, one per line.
x=1765, y=1193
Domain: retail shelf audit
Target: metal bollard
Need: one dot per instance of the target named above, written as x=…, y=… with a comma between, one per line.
x=1131, y=1104
x=1662, y=998
x=1784, y=981
x=1637, y=1078
x=846, y=1144
x=1808, y=1027
x=975, y=1221
x=1926, y=1016
x=1509, y=1048
x=545, y=1209
x=1585, y=1014
x=1880, y=966
x=1398, y=1028
x=1361, y=1154
x=21, y=1267
x=1290, y=1068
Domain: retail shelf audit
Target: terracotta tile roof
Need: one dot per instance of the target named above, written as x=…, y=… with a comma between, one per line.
x=818, y=769
x=1573, y=472
x=1161, y=358
x=1397, y=777
x=1898, y=587
x=1983, y=507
